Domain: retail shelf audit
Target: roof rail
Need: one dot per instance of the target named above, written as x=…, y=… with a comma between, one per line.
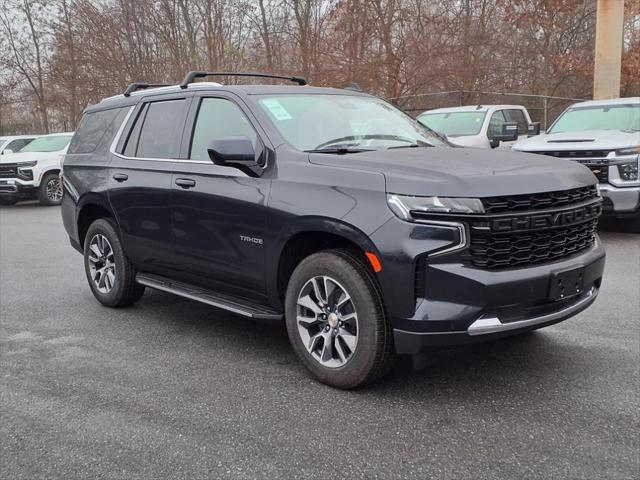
x=191, y=76
x=134, y=87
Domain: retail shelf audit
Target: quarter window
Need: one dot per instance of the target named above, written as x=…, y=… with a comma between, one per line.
x=219, y=118
x=91, y=130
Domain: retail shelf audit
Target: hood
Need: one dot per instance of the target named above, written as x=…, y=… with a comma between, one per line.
x=463, y=172
x=586, y=140
x=30, y=156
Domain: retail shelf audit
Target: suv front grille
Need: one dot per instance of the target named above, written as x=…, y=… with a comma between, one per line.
x=520, y=230
x=8, y=170
x=503, y=250
x=601, y=172
x=575, y=154
x=537, y=201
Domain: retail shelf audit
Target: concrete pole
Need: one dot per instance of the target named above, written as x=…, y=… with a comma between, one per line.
x=608, y=60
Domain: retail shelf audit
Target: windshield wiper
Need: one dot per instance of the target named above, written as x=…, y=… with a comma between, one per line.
x=340, y=150
x=411, y=145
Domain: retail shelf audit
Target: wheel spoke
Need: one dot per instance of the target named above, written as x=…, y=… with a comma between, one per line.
x=308, y=303
x=313, y=342
x=317, y=291
x=349, y=339
x=96, y=250
x=307, y=322
x=330, y=288
x=340, y=350
x=327, y=348
x=111, y=278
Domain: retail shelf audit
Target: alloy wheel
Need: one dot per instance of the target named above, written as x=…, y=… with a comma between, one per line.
x=102, y=265
x=327, y=321
x=54, y=190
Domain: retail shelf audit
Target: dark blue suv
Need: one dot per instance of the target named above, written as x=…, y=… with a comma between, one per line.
x=330, y=210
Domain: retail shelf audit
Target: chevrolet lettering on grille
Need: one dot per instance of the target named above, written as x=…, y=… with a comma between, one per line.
x=546, y=220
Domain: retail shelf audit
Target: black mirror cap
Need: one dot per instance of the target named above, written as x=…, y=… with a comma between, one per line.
x=237, y=152
x=533, y=129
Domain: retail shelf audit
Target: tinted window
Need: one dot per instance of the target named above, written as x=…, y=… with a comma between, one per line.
x=218, y=118
x=91, y=130
x=454, y=123
x=17, y=145
x=518, y=117
x=161, y=130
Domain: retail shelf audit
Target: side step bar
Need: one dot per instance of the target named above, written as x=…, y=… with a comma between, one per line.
x=209, y=297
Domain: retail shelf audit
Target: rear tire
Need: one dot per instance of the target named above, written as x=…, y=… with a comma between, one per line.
x=110, y=274
x=336, y=320
x=50, y=191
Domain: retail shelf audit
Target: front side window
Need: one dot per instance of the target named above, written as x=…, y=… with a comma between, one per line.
x=454, y=124
x=157, y=131
x=606, y=117
x=323, y=122
x=496, y=122
x=219, y=118
x=50, y=143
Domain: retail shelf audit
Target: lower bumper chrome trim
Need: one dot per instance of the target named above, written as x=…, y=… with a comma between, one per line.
x=484, y=326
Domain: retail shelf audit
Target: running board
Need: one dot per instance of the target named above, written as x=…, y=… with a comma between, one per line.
x=209, y=297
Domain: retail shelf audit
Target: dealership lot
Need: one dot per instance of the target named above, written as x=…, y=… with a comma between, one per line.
x=172, y=388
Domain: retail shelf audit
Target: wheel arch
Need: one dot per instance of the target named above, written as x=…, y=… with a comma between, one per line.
x=89, y=211
x=309, y=236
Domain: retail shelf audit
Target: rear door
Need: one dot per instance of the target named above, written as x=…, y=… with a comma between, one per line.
x=219, y=212
x=140, y=181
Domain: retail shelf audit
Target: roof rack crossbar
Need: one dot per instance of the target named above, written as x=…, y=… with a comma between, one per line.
x=134, y=87
x=191, y=76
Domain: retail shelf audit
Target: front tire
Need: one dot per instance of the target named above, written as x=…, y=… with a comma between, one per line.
x=50, y=191
x=336, y=321
x=110, y=274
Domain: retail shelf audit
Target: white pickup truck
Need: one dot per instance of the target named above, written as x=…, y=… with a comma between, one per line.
x=34, y=171
x=604, y=135
x=481, y=126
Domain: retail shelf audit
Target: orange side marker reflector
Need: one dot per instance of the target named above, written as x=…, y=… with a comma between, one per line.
x=373, y=260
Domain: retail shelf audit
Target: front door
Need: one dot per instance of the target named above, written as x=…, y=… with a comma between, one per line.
x=218, y=212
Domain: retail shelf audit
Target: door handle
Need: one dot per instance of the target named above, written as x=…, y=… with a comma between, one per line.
x=185, y=182
x=120, y=177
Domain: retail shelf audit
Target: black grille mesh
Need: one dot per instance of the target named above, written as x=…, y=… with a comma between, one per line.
x=503, y=250
x=8, y=171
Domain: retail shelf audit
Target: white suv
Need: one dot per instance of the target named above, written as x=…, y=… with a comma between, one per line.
x=604, y=135
x=15, y=143
x=34, y=171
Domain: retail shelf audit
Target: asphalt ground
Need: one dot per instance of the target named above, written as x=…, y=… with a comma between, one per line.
x=170, y=388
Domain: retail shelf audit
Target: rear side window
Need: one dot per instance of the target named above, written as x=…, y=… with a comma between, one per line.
x=18, y=144
x=92, y=129
x=157, y=131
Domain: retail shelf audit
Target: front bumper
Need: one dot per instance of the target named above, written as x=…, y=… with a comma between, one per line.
x=441, y=300
x=620, y=202
x=16, y=189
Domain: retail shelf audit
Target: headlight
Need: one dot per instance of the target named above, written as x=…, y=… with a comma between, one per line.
x=24, y=165
x=628, y=171
x=629, y=151
x=403, y=205
x=24, y=170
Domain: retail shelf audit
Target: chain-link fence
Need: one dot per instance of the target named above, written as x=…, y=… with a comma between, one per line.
x=542, y=108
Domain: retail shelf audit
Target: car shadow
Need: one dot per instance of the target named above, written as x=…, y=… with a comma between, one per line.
x=514, y=361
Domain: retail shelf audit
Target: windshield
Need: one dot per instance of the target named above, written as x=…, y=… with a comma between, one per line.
x=48, y=144
x=606, y=117
x=454, y=124
x=331, y=122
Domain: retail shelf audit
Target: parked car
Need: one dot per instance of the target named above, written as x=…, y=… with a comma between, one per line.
x=329, y=210
x=34, y=171
x=604, y=135
x=15, y=143
x=481, y=126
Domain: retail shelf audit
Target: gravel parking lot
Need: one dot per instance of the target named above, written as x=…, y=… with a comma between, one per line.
x=174, y=389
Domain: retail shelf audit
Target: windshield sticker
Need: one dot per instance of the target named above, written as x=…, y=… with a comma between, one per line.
x=276, y=109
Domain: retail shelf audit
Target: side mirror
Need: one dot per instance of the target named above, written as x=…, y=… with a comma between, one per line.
x=7, y=151
x=236, y=152
x=509, y=134
x=533, y=129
